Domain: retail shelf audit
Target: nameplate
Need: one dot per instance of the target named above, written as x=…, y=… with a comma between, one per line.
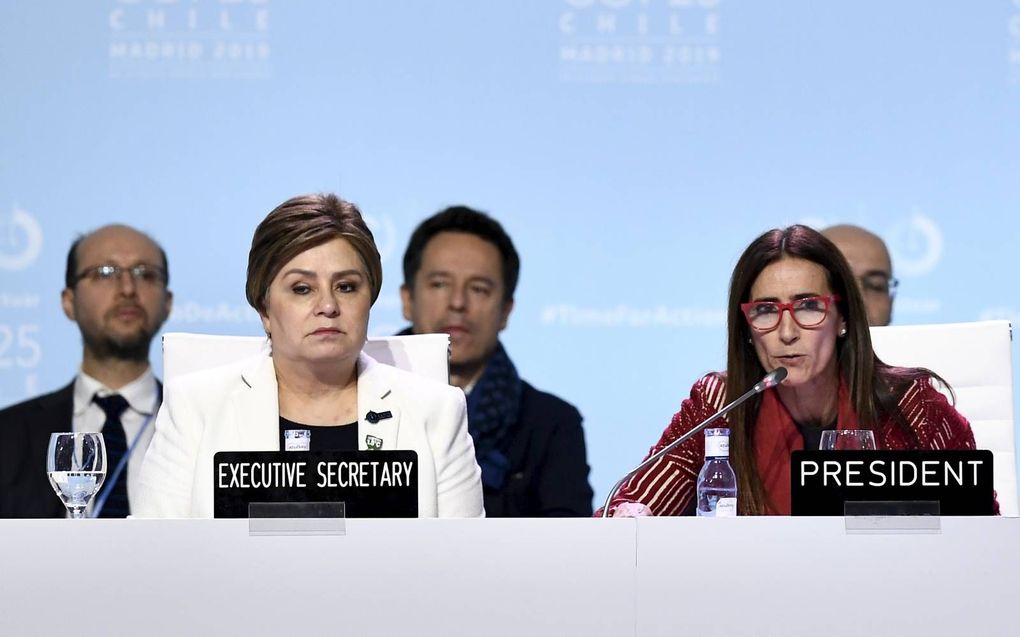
x=371, y=484
x=822, y=482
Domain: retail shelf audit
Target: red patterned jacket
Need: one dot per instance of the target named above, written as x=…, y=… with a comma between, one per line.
x=668, y=486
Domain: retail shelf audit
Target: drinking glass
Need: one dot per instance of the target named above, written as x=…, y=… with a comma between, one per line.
x=848, y=440
x=76, y=465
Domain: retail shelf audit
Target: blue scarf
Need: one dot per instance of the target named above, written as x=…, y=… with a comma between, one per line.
x=493, y=407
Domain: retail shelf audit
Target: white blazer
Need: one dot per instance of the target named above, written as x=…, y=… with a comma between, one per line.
x=236, y=408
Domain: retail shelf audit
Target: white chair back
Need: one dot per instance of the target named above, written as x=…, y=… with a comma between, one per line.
x=425, y=354
x=976, y=361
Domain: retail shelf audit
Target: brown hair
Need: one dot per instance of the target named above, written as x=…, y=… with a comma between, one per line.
x=874, y=387
x=302, y=223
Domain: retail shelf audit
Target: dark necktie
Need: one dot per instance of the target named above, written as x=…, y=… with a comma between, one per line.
x=116, y=446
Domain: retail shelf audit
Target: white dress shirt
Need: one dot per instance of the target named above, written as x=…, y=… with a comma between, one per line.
x=142, y=396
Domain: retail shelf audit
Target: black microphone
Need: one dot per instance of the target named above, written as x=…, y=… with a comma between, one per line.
x=774, y=377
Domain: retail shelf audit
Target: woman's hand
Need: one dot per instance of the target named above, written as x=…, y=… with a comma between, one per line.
x=632, y=510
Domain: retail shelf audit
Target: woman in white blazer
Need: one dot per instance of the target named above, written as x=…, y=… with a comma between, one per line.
x=313, y=274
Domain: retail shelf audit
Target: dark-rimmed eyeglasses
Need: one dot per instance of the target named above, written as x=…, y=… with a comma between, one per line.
x=108, y=273
x=808, y=312
x=878, y=283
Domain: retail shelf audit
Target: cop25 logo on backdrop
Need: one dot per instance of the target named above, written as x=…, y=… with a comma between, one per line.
x=916, y=244
x=21, y=240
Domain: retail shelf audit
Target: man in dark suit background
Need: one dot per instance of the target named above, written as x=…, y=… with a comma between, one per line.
x=460, y=274
x=116, y=292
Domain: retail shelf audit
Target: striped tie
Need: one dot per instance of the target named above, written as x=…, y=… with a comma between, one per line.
x=116, y=446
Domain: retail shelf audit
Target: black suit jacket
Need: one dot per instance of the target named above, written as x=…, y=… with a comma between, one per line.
x=25, y=429
x=548, y=472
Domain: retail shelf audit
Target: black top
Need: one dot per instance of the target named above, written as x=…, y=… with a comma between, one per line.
x=813, y=435
x=324, y=438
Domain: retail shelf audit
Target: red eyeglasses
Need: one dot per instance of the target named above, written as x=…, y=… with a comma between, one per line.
x=808, y=312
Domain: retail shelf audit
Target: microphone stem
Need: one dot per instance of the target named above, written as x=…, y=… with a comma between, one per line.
x=679, y=441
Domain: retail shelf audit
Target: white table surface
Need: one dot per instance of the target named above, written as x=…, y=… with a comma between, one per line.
x=681, y=576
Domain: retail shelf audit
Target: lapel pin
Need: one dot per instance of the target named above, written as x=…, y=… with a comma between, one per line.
x=374, y=417
x=373, y=443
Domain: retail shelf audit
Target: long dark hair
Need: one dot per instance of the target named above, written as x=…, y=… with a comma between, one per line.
x=874, y=387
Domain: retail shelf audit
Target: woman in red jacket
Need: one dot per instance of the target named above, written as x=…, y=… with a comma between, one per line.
x=793, y=303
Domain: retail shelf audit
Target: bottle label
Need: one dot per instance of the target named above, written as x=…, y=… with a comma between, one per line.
x=726, y=508
x=717, y=446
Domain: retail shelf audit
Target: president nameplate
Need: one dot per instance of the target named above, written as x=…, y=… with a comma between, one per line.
x=821, y=482
x=371, y=484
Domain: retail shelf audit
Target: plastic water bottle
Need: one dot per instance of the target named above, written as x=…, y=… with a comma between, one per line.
x=717, y=484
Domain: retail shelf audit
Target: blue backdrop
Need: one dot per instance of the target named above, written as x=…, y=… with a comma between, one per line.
x=631, y=147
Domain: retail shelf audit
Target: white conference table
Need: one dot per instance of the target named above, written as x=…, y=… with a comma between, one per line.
x=689, y=576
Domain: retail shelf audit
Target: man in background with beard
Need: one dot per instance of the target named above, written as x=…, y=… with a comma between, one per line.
x=116, y=291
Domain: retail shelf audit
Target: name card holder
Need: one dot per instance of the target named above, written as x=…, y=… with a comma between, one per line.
x=313, y=492
x=297, y=518
x=892, y=491
x=892, y=517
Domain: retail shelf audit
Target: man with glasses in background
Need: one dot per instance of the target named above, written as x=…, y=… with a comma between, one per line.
x=872, y=267
x=116, y=291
